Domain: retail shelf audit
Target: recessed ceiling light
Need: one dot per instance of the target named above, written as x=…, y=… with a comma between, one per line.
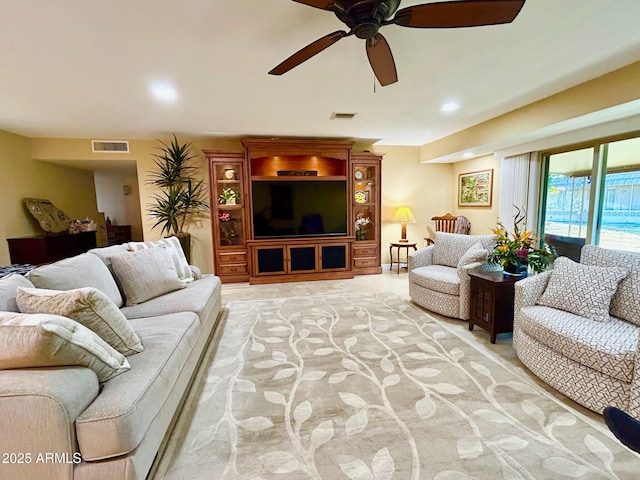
x=467, y=155
x=449, y=107
x=164, y=92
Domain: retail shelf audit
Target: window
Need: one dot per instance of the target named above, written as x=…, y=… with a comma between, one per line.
x=592, y=195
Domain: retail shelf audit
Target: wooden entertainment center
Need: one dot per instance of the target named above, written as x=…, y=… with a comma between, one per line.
x=285, y=210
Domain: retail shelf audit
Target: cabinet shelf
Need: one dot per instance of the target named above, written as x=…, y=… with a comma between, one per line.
x=302, y=178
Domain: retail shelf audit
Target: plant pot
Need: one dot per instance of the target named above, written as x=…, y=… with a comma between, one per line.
x=230, y=201
x=185, y=243
x=515, y=270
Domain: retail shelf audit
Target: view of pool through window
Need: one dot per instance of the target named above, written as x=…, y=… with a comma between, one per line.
x=567, y=203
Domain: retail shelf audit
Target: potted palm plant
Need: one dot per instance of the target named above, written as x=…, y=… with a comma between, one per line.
x=182, y=197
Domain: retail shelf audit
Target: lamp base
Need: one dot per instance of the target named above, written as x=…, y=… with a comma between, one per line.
x=403, y=240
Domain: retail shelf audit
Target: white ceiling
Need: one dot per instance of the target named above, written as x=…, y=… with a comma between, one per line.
x=78, y=68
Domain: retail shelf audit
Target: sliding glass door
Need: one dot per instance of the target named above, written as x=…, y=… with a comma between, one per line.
x=592, y=195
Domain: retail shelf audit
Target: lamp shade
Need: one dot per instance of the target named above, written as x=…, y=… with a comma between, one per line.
x=404, y=215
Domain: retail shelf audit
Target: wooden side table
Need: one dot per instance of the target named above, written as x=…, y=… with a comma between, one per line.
x=399, y=246
x=492, y=302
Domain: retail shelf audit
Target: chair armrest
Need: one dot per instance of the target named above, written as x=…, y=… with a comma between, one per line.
x=420, y=258
x=528, y=290
x=197, y=273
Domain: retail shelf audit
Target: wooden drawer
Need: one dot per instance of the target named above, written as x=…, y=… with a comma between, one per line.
x=231, y=269
x=365, y=262
x=365, y=252
x=236, y=257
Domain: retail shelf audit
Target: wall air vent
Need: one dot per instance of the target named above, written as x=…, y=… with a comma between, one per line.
x=109, y=146
x=342, y=116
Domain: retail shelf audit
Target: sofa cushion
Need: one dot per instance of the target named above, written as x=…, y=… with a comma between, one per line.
x=609, y=347
x=87, y=306
x=201, y=297
x=83, y=270
x=42, y=340
x=437, y=277
x=9, y=290
x=584, y=290
x=173, y=247
x=626, y=301
x=448, y=248
x=117, y=421
x=145, y=274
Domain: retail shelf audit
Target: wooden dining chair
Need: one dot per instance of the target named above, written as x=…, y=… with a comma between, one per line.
x=450, y=224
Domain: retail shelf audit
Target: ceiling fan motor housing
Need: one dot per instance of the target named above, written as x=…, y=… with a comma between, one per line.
x=364, y=17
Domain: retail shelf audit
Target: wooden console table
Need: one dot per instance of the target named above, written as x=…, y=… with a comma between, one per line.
x=492, y=302
x=41, y=249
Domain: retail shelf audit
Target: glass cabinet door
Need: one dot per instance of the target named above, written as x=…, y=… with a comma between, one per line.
x=364, y=201
x=229, y=207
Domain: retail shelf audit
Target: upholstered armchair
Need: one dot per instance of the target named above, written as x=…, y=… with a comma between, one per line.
x=439, y=274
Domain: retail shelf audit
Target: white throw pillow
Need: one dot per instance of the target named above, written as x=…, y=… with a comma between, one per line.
x=41, y=340
x=172, y=245
x=9, y=289
x=145, y=274
x=87, y=306
x=476, y=253
x=580, y=289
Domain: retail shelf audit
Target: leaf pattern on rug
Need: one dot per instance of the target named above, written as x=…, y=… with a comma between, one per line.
x=367, y=386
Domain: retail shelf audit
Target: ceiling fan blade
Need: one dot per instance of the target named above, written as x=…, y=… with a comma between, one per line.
x=307, y=52
x=381, y=60
x=460, y=13
x=323, y=4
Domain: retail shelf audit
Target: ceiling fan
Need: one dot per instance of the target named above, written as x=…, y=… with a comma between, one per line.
x=365, y=17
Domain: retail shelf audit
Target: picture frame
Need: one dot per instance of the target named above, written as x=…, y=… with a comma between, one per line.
x=475, y=189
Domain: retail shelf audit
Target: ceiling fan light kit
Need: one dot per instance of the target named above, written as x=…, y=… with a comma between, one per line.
x=365, y=18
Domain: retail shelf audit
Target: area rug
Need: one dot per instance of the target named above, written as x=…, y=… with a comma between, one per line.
x=368, y=386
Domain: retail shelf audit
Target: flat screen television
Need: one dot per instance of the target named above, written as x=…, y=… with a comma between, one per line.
x=295, y=208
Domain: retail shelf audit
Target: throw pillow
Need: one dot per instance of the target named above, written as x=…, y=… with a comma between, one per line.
x=87, y=306
x=9, y=289
x=475, y=253
x=448, y=248
x=580, y=289
x=33, y=341
x=172, y=245
x=85, y=270
x=145, y=274
x=626, y=302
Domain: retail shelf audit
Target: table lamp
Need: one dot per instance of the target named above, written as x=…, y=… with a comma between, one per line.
x=404, y=215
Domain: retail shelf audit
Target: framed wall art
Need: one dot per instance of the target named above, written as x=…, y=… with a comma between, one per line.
x=475, y=189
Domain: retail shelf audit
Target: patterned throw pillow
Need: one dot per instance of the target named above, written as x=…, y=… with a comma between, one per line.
x=476, y=253
x=87, y=306
x=626, y=302
x=41, y=340
x=145, y=274
x=580, y=289
x=172, y=245
x=448, y=248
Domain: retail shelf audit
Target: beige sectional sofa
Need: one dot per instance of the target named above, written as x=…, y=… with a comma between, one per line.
x=71, y=425
x=577, y=328
x=439, y=274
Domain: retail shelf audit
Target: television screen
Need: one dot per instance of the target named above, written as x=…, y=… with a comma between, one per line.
x=291, y=208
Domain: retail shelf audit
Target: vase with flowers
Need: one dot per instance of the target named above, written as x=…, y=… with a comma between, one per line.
x=516, y=252
x=361, y=226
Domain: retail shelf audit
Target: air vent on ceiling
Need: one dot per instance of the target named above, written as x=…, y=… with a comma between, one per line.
x=110, y=146
x=342, y=116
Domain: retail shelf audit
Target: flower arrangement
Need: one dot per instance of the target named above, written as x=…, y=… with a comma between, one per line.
x=361, y=225
x=228, y=225
x=517, y=251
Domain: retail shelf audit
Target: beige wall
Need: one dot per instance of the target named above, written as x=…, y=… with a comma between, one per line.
x=482, y=218
x=425, y=188
x=70, y=189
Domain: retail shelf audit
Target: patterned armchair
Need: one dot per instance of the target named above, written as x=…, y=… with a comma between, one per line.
x=439, y=274
x=594, y=362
